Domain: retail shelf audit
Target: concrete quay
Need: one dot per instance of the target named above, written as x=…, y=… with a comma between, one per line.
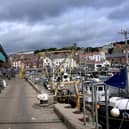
x=66, y=114
x=71, y=119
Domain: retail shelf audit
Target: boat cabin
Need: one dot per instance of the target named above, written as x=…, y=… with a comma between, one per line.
x=89, y=91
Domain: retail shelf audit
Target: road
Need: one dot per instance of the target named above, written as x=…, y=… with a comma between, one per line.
x=20, y=109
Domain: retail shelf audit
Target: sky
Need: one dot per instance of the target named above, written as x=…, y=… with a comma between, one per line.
x=37, y=24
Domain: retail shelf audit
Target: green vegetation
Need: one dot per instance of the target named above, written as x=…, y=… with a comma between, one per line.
x=91, y=49
x=122, y=42
x=74, y=46
x=110, y=50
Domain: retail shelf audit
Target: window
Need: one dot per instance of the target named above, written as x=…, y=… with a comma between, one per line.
x=100, y=88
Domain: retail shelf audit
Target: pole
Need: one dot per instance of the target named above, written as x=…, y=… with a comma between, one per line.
x=53, y=80
x=93, y=104
x=126, y=45
x=84, y=105
x=106, y=105
x=96, y=110
x=125, y=33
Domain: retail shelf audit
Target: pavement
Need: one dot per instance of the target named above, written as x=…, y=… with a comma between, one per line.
x=67, y=114
x=71, y=119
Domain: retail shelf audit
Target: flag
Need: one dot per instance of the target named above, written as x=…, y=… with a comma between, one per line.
x=118, y=80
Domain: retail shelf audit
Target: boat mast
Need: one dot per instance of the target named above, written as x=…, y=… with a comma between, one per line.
x=125, y=33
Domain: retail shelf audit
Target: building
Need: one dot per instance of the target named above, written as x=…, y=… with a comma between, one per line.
x=117, y=56
x=93, y=57
x=29, y=59
x=64, y=59
x=94, y=61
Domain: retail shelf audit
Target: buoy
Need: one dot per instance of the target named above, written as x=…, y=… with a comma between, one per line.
x=4, y=84
x=43, y=97
x=98, y=106
x=115, y=112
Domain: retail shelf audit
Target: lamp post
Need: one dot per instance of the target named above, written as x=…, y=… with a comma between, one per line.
x=125, y=33
x=84, y=104
x=106, y=105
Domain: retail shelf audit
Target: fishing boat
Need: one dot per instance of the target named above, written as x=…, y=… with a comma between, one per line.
x=118, y=107
x=100, y=92
x=114, y=113
x=118, y=114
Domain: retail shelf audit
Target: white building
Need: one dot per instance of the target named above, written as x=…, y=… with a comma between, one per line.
x=47, y=62
x=64, y=63
x=95, y=56
x=96, y=59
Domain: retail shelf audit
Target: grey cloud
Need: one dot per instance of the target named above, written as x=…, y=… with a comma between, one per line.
x=57, y=23
x=65, y=34
x=120, y=13
x=33, y=10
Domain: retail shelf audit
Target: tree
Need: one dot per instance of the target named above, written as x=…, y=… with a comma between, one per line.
x=110, y=50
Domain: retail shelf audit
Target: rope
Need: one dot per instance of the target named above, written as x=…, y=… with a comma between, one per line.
x=123, y=116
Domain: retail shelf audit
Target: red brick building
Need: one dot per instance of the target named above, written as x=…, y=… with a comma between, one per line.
x=118, y=54
x=29, y=59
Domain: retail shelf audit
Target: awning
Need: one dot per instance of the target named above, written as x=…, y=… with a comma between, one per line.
x=2, y=57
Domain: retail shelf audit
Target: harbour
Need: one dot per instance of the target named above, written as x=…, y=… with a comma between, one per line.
x=64, y=64
x=82, y=93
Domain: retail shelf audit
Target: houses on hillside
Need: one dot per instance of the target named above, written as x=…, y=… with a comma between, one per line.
x=117, y=54
x=64, y=59
x=107, y=55
x=29, y=59
x=94, y=60
x=56, y=59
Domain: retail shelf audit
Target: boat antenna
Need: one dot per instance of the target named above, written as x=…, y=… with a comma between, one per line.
x=125, y=33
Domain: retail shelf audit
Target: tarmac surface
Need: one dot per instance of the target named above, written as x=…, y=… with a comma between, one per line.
x=67, y=114
x=20, y=108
